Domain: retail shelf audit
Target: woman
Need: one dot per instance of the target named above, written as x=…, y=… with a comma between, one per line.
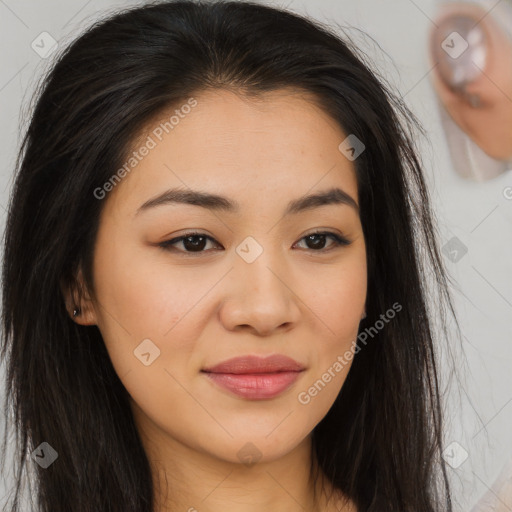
x=215, y=276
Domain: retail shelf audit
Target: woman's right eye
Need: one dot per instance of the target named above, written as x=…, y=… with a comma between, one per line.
x=192, y=242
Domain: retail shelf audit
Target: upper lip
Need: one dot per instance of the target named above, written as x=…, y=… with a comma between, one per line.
x=256, y=364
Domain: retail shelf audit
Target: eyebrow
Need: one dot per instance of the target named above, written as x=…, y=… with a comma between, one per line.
x=220, y=203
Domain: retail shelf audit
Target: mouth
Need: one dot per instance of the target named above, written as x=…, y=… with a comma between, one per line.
x=254, y=377
x=256, y=364
x=258, y=386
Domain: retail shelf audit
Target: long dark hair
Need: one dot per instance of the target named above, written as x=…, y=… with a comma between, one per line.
x=381, y=442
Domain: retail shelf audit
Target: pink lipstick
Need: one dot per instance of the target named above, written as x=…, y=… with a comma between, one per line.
x=254, y=377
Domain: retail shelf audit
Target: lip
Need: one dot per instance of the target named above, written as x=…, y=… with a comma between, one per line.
x=256, y=364
x=255, y=378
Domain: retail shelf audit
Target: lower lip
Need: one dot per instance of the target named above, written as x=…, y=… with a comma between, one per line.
x=255, y=386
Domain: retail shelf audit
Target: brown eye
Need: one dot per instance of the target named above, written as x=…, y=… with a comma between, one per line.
x=192, y=242
x=196, y=242
x=317, y=241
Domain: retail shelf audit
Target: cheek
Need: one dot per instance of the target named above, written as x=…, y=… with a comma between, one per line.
x=140, y=291
x=141, y=298
x=145, y=312
x=343, y=301
x=337, y=295
x=338, y=304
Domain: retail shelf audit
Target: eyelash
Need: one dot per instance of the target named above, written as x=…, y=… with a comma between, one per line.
x=339, y=241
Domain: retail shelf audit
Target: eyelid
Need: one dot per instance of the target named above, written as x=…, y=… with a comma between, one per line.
x=340, y=241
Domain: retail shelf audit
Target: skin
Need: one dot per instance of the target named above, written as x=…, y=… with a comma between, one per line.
x=498, y=497
x=203, y=308
x=490, y=124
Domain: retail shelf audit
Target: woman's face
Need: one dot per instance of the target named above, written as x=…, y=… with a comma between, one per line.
x=254, y=285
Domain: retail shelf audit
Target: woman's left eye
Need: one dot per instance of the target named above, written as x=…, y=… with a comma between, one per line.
x=196, y=242
x=318, y=239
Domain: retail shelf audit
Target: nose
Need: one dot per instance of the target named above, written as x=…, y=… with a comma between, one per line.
x=261, y=297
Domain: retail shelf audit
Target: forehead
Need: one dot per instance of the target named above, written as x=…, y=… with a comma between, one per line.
x=247, y=148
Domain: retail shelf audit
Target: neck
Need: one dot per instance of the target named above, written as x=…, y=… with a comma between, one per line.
x=189, y=480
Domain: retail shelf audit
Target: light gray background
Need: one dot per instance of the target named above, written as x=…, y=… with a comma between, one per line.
x=480, y=415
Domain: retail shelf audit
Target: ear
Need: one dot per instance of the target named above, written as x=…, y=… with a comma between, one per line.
x=76, y=297
x=472, y=54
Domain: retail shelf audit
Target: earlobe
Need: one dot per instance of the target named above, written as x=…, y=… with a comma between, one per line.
x=78, y=303
x=84, y=316
x=472, y=58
